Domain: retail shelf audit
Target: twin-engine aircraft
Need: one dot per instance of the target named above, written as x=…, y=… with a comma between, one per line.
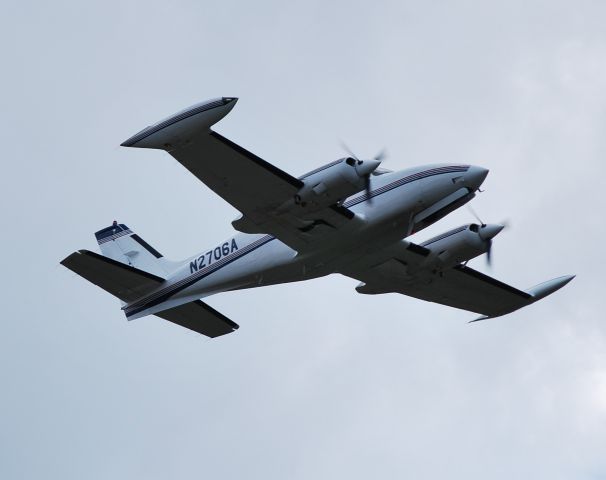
x=350, y=217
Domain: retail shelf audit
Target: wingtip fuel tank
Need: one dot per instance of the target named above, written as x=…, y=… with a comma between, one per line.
x=547, y=288
x=539, y=292
x=182, y=126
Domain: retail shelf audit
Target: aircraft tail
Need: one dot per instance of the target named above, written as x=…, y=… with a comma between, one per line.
x=131, y=268
x=129, y=283
x=121, y=244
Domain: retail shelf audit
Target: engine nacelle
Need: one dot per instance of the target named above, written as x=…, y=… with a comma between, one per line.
x=333, y=183
x=460, y=244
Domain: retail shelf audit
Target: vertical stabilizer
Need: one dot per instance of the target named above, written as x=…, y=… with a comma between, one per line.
x=120, y=243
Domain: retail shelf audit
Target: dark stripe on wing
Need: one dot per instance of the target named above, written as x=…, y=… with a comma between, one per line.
x=259, y=161
x=492, y=281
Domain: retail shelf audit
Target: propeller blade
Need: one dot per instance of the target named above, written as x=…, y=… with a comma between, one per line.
x=348, y=150
x=489, y=254
x=473, y=212
x=381, y=156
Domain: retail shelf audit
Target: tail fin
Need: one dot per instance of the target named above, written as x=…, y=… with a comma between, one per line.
x=119, y=243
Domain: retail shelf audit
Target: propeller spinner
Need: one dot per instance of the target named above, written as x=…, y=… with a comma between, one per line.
x=487, y=232
x=364, y=168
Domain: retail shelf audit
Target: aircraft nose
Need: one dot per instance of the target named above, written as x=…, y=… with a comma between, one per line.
x=475, y=176
x=490, y=231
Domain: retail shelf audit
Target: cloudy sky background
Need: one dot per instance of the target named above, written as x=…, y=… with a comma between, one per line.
x=319, y=382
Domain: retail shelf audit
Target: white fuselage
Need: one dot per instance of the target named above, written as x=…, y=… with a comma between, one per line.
x=401, y=203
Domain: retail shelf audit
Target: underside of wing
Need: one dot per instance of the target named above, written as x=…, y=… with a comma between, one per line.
x=460, y=287
x=467, y=289
x=258, y=189
x=249, y=183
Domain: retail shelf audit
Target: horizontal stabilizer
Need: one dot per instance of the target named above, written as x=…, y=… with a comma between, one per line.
x=199, y=317
x=121, y=280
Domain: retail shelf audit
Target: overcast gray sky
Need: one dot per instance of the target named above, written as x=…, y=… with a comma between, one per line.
x=319, y=382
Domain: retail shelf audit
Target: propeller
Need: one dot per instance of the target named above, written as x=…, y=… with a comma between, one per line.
x=489, y=254
x=477, y=217
x=482, y=225
x=487, y=232
x=364, y=168
x=382, y=155
x=348, y=150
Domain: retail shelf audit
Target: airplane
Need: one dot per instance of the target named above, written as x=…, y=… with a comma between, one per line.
x=349, y=216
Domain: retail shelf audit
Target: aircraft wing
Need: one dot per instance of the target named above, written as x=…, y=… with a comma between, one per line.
x=460, y=287
x=255, y=187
